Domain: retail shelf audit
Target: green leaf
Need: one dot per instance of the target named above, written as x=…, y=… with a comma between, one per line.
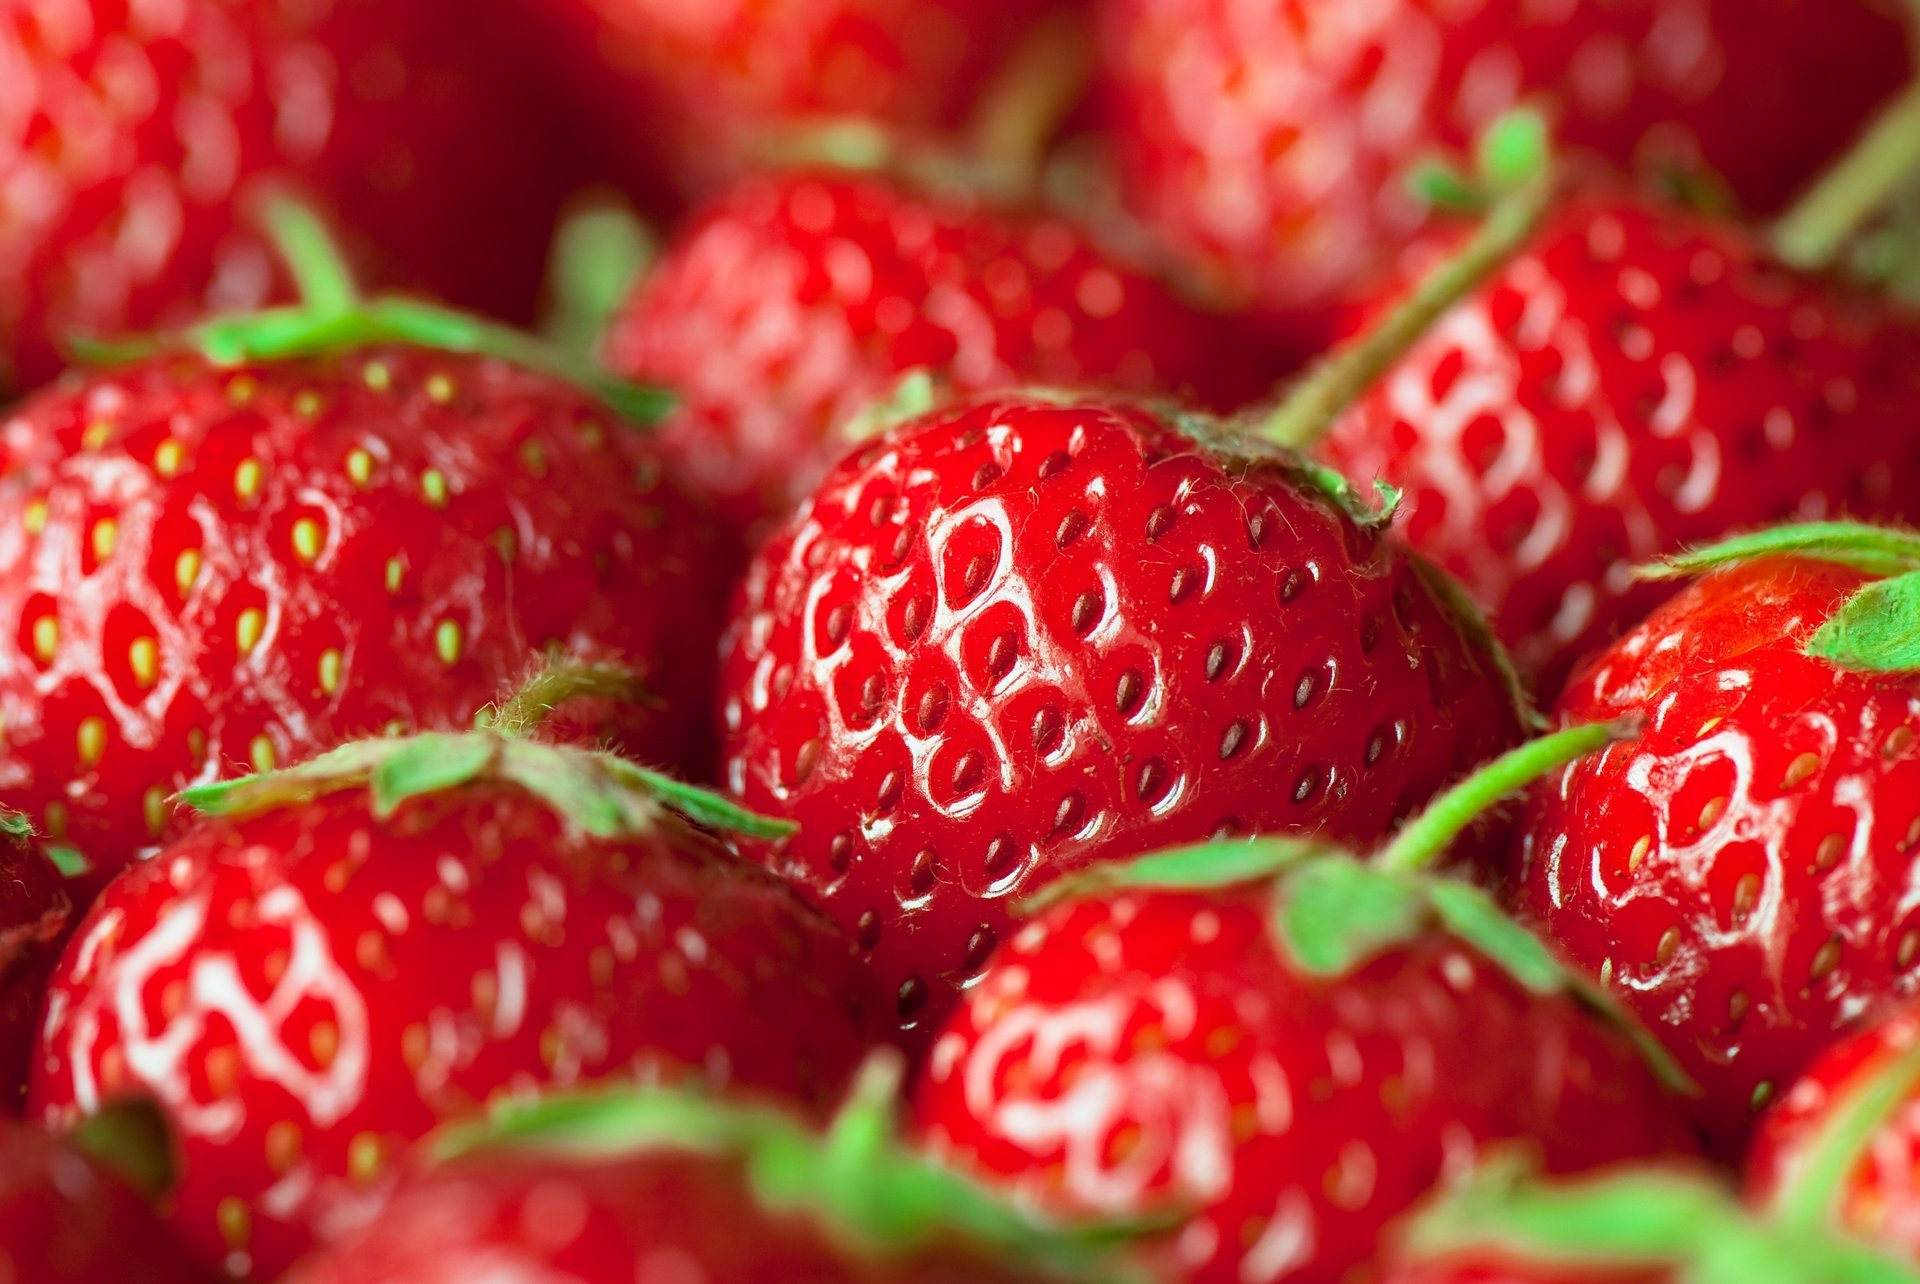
x=701, y=806
x=912, y=395
x=1877, y=630
x=1472, y=915
x=1334, y=914
x=1875, y=550
x=1854, y=1115
x=70, y=861
x=1375, y=515
x=15, y=825
x=1444, y=187
x=1515, y=150
x=580, y=787
x=428, y=764
x=1202, y=867
x=130, y=1137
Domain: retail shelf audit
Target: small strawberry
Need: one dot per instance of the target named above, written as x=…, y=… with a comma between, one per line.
x=355, y=950
x=1270, y=143
x=134, y=136
x=795, y=301
x=309, y=524
x=1026, y=634
x=669, y=1185
x=36, y=915
x=1280, y=1049
x=1740, y=875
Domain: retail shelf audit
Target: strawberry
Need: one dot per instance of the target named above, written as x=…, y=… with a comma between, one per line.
x=1280, y=1049
x=1270, y=143
x=620, y=1185
x=74, y=1208
x=358, y=949
x=794, y=301
x=1635, y=378
x=36, y=911
x=134, y=137
x=1739, y=876
x=316, y=525
x=1026, y=634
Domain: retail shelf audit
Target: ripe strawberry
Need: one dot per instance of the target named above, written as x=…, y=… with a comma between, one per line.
x=795, y=301
x=1271, y=143
x=617, y=1187
x=1027, y=634
x=1281, y=1048
x=211, y=558
x=1739, y=876
x=134, y=137
x=360, y=948
x=1635, y=379
x=36, y=912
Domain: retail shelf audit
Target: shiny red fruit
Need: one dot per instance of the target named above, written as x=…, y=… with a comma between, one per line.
x=202, y=568
x=1272, y=143
x=795, y=302
x=1017, y=637
x=1739, y=875
x=1162, y=1054
x=36, y=916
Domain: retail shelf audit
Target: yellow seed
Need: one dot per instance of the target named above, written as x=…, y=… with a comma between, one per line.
x=46, y=638
x=153, y=804
x=106, y=533
x=306, y=539
x=167, y=457
x=506, y=543
x=433, y=485
x=247, y=631
x=329, y=671
x=36, y=516
x=235, y=1221
x=449, y=641
x=593, y=434
x=246, y=478
x=395, y=570
x=378, y=375
x=306, y=403
x=359, y=466
x=261, y=752
x=283, y=1145
x=240, y=391
x=143, y=656
x=56, y=820
x=186, y=569
x=96, y=435
x=365, y=1155
x=92, y=740
x=440, y=388
x=197, y=746
x=533, y=456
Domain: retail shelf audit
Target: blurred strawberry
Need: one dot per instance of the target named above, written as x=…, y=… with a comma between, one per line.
x=36, y=917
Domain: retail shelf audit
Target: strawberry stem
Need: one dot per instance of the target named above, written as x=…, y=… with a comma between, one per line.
x=600, y=254
x=1811, y=1197
x=1023, y=108
x=1426, y=838
x=1812, y=233
x=1306, y=413
x=557, y=682
x=321, y=274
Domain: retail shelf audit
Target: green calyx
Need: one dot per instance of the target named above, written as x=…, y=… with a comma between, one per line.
x=1877, y=630
x=857, y=1181
x=130, y=1138
x=598, y=792
x=1813, y=1196
x=1642, y=1219
x=1515, y=151
x=333, y=317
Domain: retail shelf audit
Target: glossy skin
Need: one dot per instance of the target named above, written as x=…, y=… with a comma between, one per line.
x=644, y=1216
x=138, y=137
x=795, y=302
x=36, y=915
x=307, y=992
x=1012, y=639
x=1156, y=1052
x=317, y=606
x=1640, y=379
x=65, y=1220
x=1738, y=876
x=1271, y=143
x=1880, y=1198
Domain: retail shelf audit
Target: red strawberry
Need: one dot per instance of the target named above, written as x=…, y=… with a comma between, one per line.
x=135, y=136
x=1281, y=1048
x=72, y=1209
x=795, y=301
x=400, y=930
x=36, y=913
x=207, y=560
x=1740, y=876
x=1271, y=143
x=1635, y=379
x=668, y=1186
x=1027, y=634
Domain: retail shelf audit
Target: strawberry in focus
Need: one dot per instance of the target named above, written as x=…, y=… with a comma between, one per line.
x=356, y=950
x=1024, y=635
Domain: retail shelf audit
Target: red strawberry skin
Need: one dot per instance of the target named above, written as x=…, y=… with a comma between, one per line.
x=297, y=553
x=307, y=992
x=1271, y=143
x=65, y=1220
x=137, y=137
x=1637, y=380
x=1738, y=876
x=633, y=1216
x=795, y=301
x=36, y=915
x=1490, y=1269
x=1158, y=1053
x=1021, y=636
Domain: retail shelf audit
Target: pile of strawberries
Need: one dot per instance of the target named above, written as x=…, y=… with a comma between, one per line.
x=1234, y=641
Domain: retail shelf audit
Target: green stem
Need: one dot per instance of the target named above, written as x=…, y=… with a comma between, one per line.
x=1813, y=232
x=1339, y=380
x=1427, y=836
x=1812, y=1199
x=1022, y=111
x=600, y=254
x=557, y=682
x=320, y=272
